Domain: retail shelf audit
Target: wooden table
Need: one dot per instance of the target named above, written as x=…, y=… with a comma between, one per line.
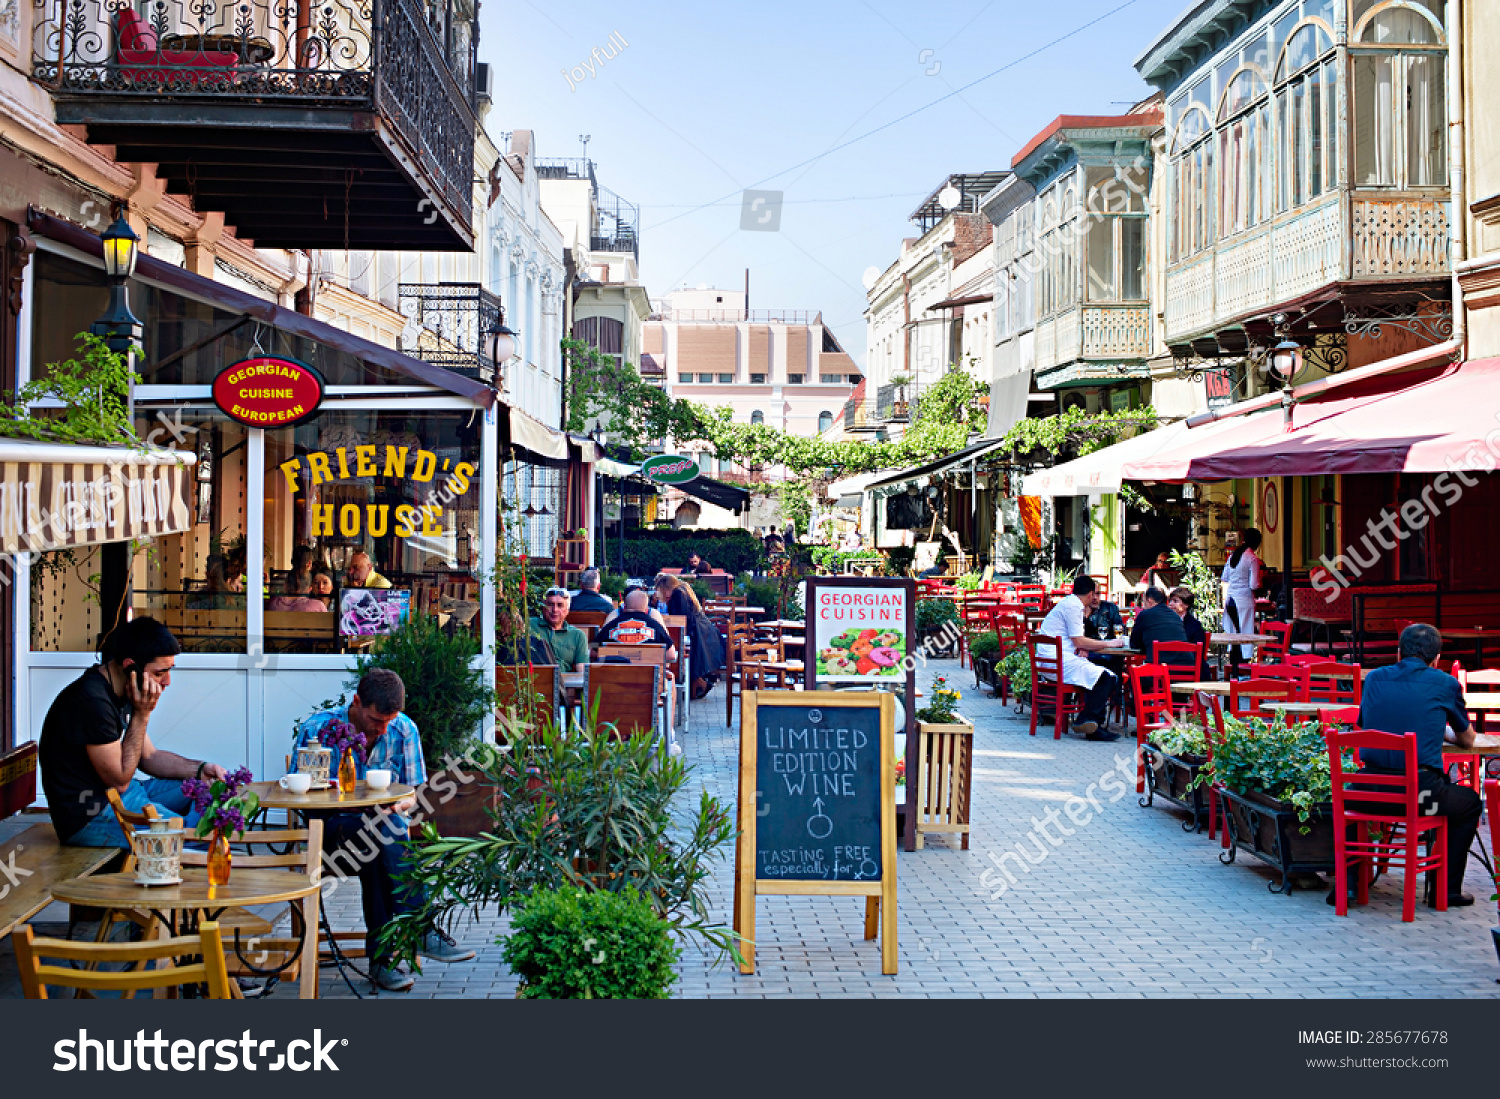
x=1218, y=687
x=1313, y=708
x=246, y=888
x=784, y=624
x=329, y=801
x=1479, y=635
x=1239, y=638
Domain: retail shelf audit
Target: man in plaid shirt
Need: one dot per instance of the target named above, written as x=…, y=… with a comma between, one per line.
x=391, y=743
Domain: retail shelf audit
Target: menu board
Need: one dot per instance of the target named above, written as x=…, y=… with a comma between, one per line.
x=816, y=805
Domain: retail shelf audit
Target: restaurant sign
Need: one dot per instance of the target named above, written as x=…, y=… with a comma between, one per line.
x=268, y=391
x=670, y=469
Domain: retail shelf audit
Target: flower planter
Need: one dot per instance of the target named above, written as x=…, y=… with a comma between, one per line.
x=465, y=814
x=945, y=778
x=1170, y=779
x=984, y=671
x=1271, y=831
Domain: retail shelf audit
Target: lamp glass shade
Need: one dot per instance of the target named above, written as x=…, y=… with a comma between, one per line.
x=502, y=344
x=1286, y=360
x=121, y=246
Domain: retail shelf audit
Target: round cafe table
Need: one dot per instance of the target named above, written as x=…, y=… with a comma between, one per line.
x=245, y=888
x=1313, y=708
x=1218, y=687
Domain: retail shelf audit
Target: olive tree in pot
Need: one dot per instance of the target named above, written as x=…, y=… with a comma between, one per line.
x=448, y=697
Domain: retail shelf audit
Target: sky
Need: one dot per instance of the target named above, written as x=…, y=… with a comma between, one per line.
x=831, y=103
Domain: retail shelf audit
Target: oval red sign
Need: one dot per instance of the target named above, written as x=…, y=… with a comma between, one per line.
x=268, y=391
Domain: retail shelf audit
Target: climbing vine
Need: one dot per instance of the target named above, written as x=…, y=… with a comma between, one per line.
x=94, y=390
x=1078, y=430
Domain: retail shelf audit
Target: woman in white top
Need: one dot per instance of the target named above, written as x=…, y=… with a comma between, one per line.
x=1241, y=576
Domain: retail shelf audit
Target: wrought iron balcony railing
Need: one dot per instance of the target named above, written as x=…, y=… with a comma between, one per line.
x=448, y=324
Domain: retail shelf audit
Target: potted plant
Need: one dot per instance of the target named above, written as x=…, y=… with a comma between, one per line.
x=1277, y=794
x=1015, y=671
x=899, y=404
x=937, y=627
x=984, y=653
x=945, y=750
x=1174, y=756
x=576, y=944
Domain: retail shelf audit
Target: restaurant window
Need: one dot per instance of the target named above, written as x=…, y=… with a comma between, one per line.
x=1320, y=527
x=531, y=502
x=1116, y=209
x=398, y=488
x=1400, y=98
x=1414, y=544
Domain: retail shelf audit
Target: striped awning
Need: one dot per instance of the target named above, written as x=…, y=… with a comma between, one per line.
x=54, y=495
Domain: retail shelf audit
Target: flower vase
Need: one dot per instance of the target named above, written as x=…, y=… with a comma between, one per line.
x=220, y=859
x=348, y=776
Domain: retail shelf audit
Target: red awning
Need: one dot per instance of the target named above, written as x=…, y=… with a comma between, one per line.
x=1424, y=421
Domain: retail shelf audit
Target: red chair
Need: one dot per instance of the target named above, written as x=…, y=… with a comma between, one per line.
x=1011, y=632
x=1246, y=695
x=1334, y=683
x=1339, y=715
x=139, y=52
x=1466, y=766
x=1151, y=684
x=1363, y=834
x=1274, y=652
x=1213, y=734
x=1183, y=672
x=975, y=614
x=1047, y=684
x=1295, y=674
x=1492, y=807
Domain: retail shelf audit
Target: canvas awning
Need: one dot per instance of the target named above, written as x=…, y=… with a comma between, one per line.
x=1099, y=472
x=532, y=435
x=967, y=454
x=729, y=497
x=55, y=495
x=1419, y=422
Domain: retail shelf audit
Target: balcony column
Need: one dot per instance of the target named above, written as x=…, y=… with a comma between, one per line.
x=204, y=244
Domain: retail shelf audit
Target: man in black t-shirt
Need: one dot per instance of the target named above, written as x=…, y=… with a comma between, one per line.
x=632, y=624
x=94, y=737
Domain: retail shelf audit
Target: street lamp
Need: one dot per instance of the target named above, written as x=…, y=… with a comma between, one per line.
x=502, y=343
x=1286, y=360
x=119, y=328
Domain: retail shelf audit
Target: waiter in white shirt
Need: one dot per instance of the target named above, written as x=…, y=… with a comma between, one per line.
x=1065, y=621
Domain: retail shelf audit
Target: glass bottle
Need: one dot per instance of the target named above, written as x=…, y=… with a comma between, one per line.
x=348, y=776
x=220, y=859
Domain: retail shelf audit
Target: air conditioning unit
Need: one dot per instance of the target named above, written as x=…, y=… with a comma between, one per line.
x=484, y=89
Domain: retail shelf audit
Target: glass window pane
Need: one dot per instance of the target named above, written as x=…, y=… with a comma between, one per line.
x=1400, y=25
x=1314, y=134
x=1102, y=259
x=1297, y=112
x=1132, y=259
x=399, y=488
x=1426, y=121
x=1331, y=124
x=1374, y=121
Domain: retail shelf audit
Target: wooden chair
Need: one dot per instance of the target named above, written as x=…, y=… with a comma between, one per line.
x=1492, y=810
x=1466, y=768
x=207, y=946
x=1185, y=671
x=1047, y=684
x=570, y=557
x=522, y=688
x=1379, y=817
x=1151, y=686
x=1011, y=631
x=752, y=660
x=733, y=681
x=587, y=618
x=1274, y=652
x=1333, y=683
x=1295, y=674
x=624, y=696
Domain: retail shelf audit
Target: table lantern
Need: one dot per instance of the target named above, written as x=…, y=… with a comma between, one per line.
x=315, y=760
x=158, y=854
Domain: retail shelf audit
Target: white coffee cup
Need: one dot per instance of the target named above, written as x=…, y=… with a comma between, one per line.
x=378, y=778
x=297, y=784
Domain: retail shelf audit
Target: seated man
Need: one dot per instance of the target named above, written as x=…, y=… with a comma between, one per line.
x=94, y=737
x=1413, y=696
x=636, y=624
x=696, y=566
x=374, y=840
x=1065, y=622
x=361, y=573
x=588, y=597
x=1158, y=622
x=566, y=644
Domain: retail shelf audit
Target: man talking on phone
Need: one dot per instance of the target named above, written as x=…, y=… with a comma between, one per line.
x=94, y=738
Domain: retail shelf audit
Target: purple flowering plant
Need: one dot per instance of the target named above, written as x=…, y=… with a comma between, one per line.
x=225, y=803
x=344, y=737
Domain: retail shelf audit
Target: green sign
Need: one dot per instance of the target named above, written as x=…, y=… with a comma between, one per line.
x=670, y=469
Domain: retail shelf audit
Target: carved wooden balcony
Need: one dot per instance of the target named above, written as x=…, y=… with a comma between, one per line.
x=336, y=124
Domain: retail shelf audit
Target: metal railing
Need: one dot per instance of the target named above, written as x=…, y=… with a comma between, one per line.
x=412, y=61
x=448, y=325
x=730, y=315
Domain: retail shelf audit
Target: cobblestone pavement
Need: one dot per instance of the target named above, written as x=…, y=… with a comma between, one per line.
x=1127, y=906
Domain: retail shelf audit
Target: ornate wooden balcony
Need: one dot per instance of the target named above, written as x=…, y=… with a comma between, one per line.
x=341, y=123
x=1093, y=342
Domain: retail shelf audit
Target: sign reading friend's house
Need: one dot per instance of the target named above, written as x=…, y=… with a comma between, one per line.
x=393, y=462
x=817, y=803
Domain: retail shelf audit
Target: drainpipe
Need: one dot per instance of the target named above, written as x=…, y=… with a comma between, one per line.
x=1458, y=214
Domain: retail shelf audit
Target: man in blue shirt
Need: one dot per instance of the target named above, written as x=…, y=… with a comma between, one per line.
x=1413, y=696
x=374, y=840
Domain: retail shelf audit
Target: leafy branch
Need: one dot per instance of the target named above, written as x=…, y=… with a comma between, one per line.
x=94, y=390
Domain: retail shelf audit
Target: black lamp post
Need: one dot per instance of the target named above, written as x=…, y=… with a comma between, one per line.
x=119, y=328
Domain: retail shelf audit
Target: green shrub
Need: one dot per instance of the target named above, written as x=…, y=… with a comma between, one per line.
x=648, y=552
x=612, y=584
x=935, y=612
x=898, y=560
x=984, y=644
x=446, y=695
x=1286, y=762
x=567, y=944
x=1016, y=668
x=767, y=594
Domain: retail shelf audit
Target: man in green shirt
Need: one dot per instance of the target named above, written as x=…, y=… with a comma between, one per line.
x=567, y=644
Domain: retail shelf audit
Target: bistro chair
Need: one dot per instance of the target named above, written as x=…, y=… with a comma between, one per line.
x=527, y=691
x=975, y=615
x=1339, y=715
x=1011, y=630
x=1276, y=650
x=624, y=696
x=85, y=959
x=1492, y=810
x=1295, y=674
x=587, y=618
x=733, y=678
x=1378, y=818
x=1180, y=672
x=1246, y=695
x=1334, y=683
x=1047, y=684
x=1151, y=685
x=1466, y=768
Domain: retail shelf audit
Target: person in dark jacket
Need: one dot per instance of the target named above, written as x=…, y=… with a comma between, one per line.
x=1158, y=622
x=696, y=566
x=588, y=597
x=515, y=643
x=1182, y=601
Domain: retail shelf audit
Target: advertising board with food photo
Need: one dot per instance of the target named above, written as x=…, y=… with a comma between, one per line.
x=859, y=633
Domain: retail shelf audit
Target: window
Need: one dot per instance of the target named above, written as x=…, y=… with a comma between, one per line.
x=1306, y=113
x=757, y=417
x=1245, y=151
x=1115, y=239
x=1059, y=247
x=1400, y=107
x=1191, y=171
x=684, y=377
x=794, y=379
x=705, y=379
x=726, y=379
x=831, y=379
x=757, y=379
x=825, y=421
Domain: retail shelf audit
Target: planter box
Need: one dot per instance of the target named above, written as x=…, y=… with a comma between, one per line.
x=1271, y=831
x=944, y=778
x=1170, y=778
x=465, y=814
x=984, y=671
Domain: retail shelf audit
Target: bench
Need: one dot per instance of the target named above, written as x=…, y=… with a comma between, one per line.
x=33, y=861
x=1378, y=612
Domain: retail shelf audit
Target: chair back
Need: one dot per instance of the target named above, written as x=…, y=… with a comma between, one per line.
x=635, y=654
x=587, y=618
x=1339, y=715
x=1492, y=811
x=1046, y=659
x=130, y=821
x=1378, y=795
x=624, y=696
x=1276, y=650
x=678, y=620
x=1152, y=686
x=1296, y=674
x=1334, y=683
x=1186, y=671
x=289, y=848
x=1246, y=695
x=36, y=975
x=1011, y=631
x=516, y=686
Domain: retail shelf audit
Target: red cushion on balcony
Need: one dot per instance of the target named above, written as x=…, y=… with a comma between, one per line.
x=139, y=45
x=135, y=33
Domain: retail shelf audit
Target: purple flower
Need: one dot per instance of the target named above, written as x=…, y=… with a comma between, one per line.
x=237, y=780
x=197, y=790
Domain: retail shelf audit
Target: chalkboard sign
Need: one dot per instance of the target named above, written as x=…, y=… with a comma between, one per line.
x=817, y=788
x=817, y=805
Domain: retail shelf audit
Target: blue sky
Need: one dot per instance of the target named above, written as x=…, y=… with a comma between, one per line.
x=708, y=99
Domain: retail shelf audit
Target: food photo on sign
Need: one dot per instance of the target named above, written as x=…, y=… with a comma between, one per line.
x=859, y=633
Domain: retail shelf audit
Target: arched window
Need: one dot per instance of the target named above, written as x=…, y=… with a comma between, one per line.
x=1245, y=151
x=1307, y=115
x=825, y=421
x=1400, y=96
x=757, y=417
x=1191, y=175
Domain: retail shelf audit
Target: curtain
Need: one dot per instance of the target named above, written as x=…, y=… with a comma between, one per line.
x=1426, y=121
